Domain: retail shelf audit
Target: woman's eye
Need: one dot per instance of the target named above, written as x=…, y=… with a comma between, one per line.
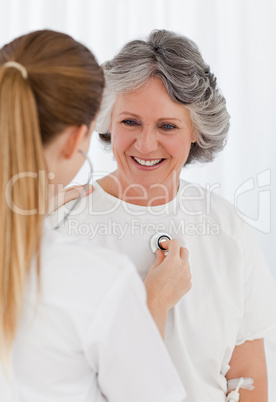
x=168, y=127
x=128, y=122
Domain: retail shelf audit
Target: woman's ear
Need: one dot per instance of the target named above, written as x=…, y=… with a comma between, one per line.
x=194, y=137
x=76, y=135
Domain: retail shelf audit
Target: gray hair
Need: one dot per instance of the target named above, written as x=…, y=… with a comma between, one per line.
x=176, y=60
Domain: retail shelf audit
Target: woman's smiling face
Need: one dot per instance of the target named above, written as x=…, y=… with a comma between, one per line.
x=151, y=136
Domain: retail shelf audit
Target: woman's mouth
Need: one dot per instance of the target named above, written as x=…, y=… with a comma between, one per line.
x=147, y=164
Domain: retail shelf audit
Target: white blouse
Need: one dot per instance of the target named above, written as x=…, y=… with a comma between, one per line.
x=233, y=295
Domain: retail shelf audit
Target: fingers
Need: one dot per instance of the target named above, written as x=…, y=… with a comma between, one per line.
x=89, y=190
x=174, y=249
x=169, y=279
x=69, y=194
x=173, y=246
x=179, y=257
x=160, y=256
x=184, y=253
x=74, y=192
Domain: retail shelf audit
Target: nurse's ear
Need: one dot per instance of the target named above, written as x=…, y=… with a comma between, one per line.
x=76, y=136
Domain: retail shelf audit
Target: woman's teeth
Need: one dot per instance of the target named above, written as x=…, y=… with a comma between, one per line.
x=147, y=163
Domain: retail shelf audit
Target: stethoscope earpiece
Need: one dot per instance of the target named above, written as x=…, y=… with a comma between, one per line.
x=156, y=241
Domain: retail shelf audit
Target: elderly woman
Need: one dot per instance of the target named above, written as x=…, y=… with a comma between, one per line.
x=161, y=111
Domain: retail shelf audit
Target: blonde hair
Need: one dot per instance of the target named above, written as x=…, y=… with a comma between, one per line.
x=63, y=87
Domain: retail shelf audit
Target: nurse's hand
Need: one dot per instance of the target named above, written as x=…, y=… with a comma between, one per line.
x=168, y=280
x=67, y=195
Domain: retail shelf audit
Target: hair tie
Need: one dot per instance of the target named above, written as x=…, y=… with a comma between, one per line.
x=18, y=66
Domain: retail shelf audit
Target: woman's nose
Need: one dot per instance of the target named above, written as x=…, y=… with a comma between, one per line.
x=146, y=141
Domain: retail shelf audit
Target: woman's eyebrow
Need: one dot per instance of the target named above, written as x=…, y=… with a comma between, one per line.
x=138, y=117
x=130, y=114
x=169, y=118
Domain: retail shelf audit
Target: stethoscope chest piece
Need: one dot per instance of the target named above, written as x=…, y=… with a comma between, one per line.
x=156, y=241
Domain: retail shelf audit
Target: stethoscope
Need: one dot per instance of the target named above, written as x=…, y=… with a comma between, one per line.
x=156, y=241
x=66, y=216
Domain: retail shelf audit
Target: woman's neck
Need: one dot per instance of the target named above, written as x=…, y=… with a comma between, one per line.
x=137, y=194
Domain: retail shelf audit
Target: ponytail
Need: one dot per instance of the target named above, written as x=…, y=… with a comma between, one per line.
x=48, y=82
x=23, y=196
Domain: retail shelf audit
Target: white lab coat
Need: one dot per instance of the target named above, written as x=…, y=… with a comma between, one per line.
x=87, y=335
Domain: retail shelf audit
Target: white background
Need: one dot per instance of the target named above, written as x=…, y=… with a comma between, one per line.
x=237, y=38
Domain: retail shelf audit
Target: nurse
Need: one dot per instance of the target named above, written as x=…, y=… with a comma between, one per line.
x=73, y=318
x=162, y=109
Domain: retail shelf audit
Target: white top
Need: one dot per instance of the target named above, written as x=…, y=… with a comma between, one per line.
x=233, y=297
x=87, y=336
